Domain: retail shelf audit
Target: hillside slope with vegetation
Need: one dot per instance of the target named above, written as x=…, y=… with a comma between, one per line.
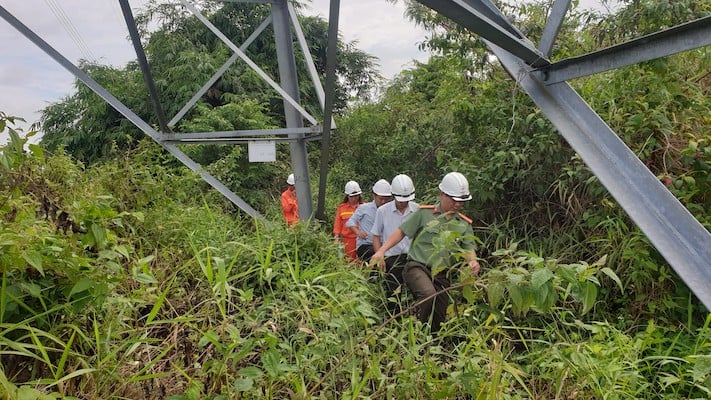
x=125, y=276
x=127, y=280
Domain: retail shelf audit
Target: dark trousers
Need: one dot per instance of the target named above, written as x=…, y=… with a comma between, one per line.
x=419, y=280
x=365, y=252
x=394, y=265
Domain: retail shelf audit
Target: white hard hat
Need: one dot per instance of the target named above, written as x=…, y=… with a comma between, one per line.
x=402, y=188
x=382, y=188
x=290, y=179
x=352, y=188
x=456, y=186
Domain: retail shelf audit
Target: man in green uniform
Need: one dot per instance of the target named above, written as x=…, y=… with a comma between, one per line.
x=441, y=238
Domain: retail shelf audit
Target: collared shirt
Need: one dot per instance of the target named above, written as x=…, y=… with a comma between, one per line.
x=363, y=218
x=438, y=240
x=387, y=219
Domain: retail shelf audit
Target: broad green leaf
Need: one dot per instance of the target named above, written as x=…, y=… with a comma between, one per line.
x=35, y=260
x=514, y=279
x=540, y=277
x=33, y=289
x=194, y=392
x=273, y=365
x=5, y=160
x=28, y=393
x=243, y=384
x=495, y=293
x=138, y=215
x=702, y=368
x=108, y=255
x=535, y=261
x=567, y=273
x=528, y=298
x=540, y=296
x=516, y=296
x=122, y=250
x=142, y=277
x=98, y=233
x=590, y=296
x=271, y=362
x=593, y=279
x=468, y=294
x=113, y=266
x=146, y=260
x=209, y=337
x=250, y=372
x=693, y=145
x=551, y=298
x=36, y=150
x=83, y=284
x=16, y=142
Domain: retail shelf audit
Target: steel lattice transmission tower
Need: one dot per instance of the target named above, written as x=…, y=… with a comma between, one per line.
x=671, y=228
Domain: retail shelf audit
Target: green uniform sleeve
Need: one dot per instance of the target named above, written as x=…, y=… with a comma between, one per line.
x=412, y=224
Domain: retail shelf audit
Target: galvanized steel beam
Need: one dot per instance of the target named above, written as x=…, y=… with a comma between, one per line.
x=310, y=66
x=671, y=228
x=677, y=39
x=555, y=21
x=236, y=140
x=220, y=72
x=295, y=104
x=468, y=13
x=250, y=134
x=490, y=11
x=125, y=111
x=143, y=63
x=334, y=11
x=289, y=82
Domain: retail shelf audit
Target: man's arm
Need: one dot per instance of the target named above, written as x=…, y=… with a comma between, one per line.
x=394, y=239
x=376, y=242
x=353, y=223
x=356, y=231
x=337, y=224
x=286, y=205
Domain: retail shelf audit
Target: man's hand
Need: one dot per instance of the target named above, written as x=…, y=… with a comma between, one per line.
x=474, y=265
x=378, y=259
x=362, y=234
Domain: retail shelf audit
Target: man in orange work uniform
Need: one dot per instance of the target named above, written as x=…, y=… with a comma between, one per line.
x=289, y=205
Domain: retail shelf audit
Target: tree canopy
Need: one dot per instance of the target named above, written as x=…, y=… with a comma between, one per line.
x=183, y=54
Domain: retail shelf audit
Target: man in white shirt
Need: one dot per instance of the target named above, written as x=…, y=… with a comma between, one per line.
x=362, y=220
x=388, y=218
